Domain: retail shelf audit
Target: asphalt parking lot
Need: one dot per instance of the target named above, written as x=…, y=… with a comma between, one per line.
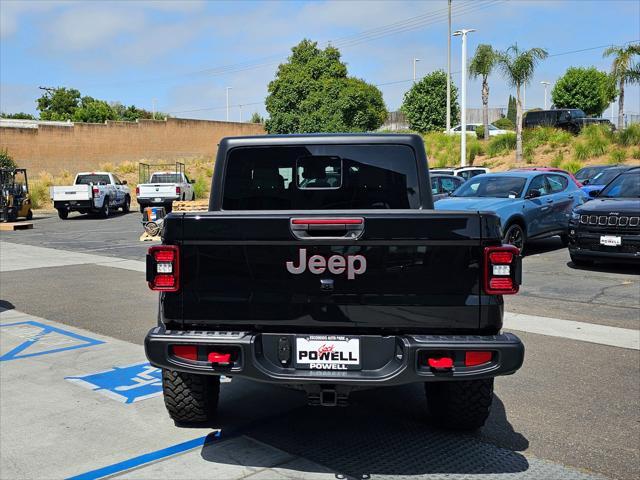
x=78, y=400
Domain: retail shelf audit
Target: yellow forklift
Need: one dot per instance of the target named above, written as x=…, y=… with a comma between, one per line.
x=15, y=201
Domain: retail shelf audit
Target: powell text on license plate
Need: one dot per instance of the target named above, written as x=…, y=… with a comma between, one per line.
x=610, y=240
x=328, y=352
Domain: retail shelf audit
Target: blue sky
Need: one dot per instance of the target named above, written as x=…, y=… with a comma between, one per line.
x=183, y=54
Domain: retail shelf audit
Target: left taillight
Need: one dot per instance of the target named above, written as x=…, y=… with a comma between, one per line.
x=501, y=270
x=163, y=268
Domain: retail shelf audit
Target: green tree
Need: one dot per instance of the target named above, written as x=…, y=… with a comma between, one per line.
x=425, y=105
x=256, y=118
x=482, y=64
x=93, y=111
x=518, y=67
x=585, y=88
x=312, y=93
x=6, y=161
x=620, y=69
x=58, y=103
x=18, y=116
x=511, y=109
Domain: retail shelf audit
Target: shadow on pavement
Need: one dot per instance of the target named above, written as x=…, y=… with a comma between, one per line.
x=545, y=245
x=385, y=431
x=604, y=267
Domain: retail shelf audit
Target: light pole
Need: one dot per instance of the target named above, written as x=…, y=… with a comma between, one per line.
x=228, y=88
x=449, y=73
x=415, y=60
x=463, y=101
x=546, y=84
x=240, y=113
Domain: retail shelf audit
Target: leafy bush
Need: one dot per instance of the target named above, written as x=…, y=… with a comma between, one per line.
x=597, y=139
x=629, y=136
x=571, y=165
x=127, y=167
x=557, y=160
x=107, y=167
x=617, y=156
x=528, y=153
x=504, y=124
x=585, y=88
x=480, y=131
x=6, y=161
x=636, y=154
x=39, y=192
x=46, y=178
x=580, y=151
x=201, y=187
x=501, y=144
x=474, y=148
x=559, y=138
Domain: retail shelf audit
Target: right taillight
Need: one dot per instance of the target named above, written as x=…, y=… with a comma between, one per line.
x=501, y=270
x=137, y=191
x=95, y=191
x=163, y=268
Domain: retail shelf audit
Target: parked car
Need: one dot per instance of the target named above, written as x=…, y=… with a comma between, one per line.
x=552, y=169
x=443, y=185
x=608, y=228
x=464, y=172
x=570, y=119
x=471, y=128
x=600, y=181
x=163, y=189
x=92, y=192
x=331, y=289
x=530, y=204
x=586, y=174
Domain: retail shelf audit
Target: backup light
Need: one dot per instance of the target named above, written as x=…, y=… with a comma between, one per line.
x=500, y=270
x=163, y=268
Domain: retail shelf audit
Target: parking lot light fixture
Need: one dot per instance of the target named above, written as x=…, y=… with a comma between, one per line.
x=415, y=60
x=546, y=84
x=463, y=86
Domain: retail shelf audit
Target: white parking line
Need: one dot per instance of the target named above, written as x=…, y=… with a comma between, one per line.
x=14, y=256
x=585, y=332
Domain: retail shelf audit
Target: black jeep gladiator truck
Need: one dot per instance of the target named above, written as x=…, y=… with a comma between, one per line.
x=321, y=265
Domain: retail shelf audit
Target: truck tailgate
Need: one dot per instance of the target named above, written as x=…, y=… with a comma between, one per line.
x=71, y=192
x=157, y=190
x=423, y=270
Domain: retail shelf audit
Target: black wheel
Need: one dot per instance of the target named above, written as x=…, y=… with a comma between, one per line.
x=515, y=236
x=168, y=208
x=581, y=262
x=190, y=398
x=565, y=240
x=193, y=196
x=127, y=204
x=142, y=207
x=30, y=215
x=461, y=405
x=106, y=208
x=63, y=213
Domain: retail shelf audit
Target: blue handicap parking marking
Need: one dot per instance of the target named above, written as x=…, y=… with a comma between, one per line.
x=127, y=384
x=31, y=339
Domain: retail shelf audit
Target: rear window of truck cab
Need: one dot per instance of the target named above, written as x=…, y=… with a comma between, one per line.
x=93, y=179
x=321, y=177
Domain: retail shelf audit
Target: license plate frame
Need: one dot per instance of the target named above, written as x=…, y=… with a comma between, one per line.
x=610, y=240
x=157, y=200
x=347, y=349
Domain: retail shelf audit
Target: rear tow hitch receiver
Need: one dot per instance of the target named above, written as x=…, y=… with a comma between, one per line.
x=328, y=397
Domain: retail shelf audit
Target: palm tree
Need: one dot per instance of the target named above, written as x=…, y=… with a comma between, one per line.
x=518, y=67
x=481, y=65
x=622, y=72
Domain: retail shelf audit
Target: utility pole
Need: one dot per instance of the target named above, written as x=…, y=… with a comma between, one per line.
x=463, y=87
x=228, y=88
x=449, y=73
x=153, y=108
x=240, y=113
x=546, y=84
x=415, y=60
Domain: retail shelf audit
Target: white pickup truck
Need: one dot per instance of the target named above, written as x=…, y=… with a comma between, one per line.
x=163, y=189
x=92, y=192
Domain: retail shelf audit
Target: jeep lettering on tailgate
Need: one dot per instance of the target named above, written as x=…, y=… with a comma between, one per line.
x=336, y=264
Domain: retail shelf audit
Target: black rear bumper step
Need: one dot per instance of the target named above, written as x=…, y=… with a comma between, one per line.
x=386, y=360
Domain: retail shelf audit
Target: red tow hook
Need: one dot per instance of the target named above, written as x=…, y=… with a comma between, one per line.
x=442, y=364
x=222, y=359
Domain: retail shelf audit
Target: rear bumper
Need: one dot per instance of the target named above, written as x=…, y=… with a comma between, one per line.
x=160, y=201
x=386, y=360
x=587, y=245
x=74, y=205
